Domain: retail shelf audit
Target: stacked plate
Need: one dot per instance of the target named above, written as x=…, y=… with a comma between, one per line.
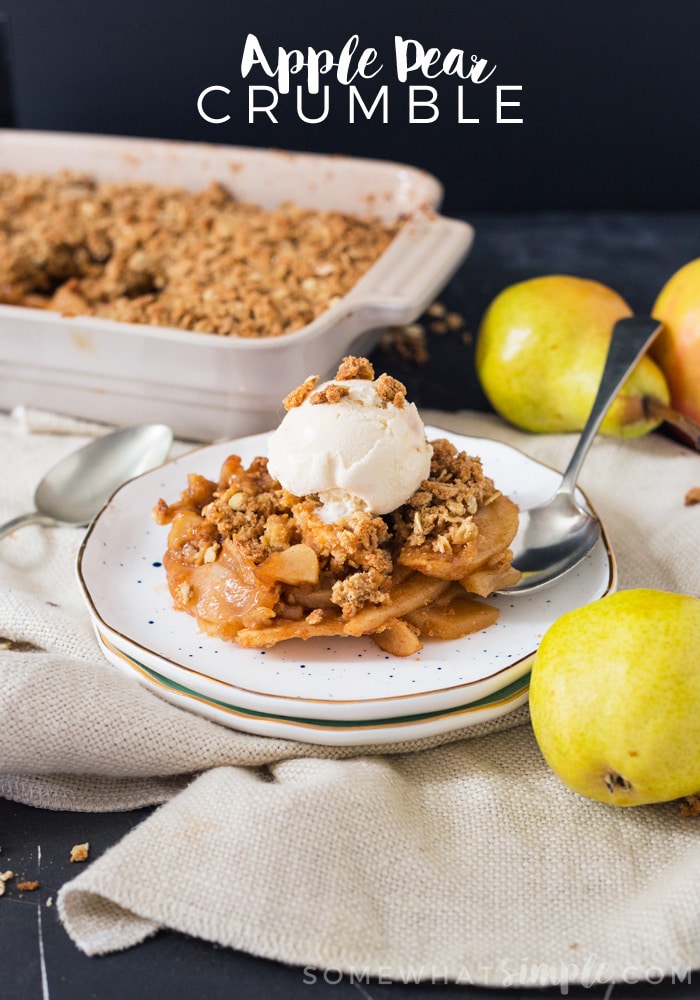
x=340, y=691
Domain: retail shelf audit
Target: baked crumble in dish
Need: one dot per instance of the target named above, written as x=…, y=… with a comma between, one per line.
x=164, y=256
x=257, y=563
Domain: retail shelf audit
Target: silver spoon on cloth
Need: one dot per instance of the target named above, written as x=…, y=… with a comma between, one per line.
x=556, y=535
x=75, y=489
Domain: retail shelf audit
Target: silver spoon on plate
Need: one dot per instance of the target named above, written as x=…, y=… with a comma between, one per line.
x=75, y=489
x=556, y=535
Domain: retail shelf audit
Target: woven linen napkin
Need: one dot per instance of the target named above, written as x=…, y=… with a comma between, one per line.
x=458, y=857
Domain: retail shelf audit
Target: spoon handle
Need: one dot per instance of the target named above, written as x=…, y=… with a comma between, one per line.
x=630, y=339
x=19, y=522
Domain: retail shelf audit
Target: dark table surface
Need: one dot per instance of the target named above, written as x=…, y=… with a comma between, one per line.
x=634, y=253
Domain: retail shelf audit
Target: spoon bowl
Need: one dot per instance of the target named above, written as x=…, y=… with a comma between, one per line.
x=556, y=535
x=551, y=539
x=75, y=489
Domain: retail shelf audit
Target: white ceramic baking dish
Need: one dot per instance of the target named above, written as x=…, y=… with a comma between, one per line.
x=206, y=386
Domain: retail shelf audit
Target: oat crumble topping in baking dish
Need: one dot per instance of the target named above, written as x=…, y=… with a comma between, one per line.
x=201, y=261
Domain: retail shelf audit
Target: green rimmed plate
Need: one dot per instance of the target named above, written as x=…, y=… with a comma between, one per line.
x=328, y=691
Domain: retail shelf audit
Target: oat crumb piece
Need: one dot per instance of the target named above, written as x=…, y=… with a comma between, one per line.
x=409, y=342
x=297, y=396
x=329, y=394
x=31, y=886
x=49, y=901
x=185, y=592
x=390, y=390
x=690, y=806
x=438, y=327
x=692, y=496
x=352, y=367
x=79, y=852
x=437, y=310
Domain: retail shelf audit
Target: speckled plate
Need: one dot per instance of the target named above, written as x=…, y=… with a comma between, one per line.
x=339, y=691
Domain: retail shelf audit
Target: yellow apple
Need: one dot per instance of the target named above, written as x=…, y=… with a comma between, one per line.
x=540, y=351
x=615, y=697
x=677, y=347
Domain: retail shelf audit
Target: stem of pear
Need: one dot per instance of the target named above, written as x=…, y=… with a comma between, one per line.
x=654, y=409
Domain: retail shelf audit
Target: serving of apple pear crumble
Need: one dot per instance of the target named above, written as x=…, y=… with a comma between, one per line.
x=352, y=525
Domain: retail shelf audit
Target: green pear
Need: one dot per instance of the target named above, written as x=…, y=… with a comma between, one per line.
x=615, y=697
x=540, y=352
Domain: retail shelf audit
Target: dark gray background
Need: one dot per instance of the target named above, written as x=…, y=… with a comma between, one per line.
x=610, y=94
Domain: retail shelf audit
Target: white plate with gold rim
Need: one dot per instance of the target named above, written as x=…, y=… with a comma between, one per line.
x=334, y=691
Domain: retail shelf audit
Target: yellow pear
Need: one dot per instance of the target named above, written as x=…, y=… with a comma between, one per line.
x=615, y=697
x=677, y=348
x=540, y=353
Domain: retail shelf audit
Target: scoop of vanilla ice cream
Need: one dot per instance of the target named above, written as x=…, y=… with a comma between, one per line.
x=360, y=453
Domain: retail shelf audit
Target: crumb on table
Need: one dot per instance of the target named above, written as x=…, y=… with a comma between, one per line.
x=412, y=341
x=80, y=852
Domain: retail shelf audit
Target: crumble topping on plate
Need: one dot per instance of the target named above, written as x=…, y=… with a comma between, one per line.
x=255, y=563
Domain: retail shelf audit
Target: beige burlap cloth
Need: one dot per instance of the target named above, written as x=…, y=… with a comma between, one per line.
x=461, y=857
